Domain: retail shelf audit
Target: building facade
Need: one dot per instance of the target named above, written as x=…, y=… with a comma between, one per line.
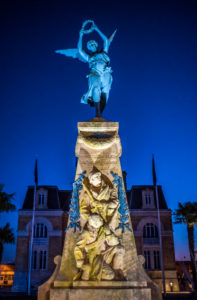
x=51, y=215
x=6, y=275
x=51, y=207
x=143, y=210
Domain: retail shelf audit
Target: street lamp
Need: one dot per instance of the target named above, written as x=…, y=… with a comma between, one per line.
x=171, y=286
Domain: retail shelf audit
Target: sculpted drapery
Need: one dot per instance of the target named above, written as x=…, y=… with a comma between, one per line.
x=98, y=251
x=99, y=78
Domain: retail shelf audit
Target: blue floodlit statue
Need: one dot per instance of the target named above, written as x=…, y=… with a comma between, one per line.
x=100, y=78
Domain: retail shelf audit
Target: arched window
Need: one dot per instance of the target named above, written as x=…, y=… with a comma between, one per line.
x=150, y=231
x=40, y=230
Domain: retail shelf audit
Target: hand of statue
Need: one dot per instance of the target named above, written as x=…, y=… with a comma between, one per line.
x=94, y=27
x=81, y=32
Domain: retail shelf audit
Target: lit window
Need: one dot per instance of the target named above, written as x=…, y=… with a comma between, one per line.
x=147, y=259
x=43, y=259
x=40, y=231
x=157, y=259
x=150, y=231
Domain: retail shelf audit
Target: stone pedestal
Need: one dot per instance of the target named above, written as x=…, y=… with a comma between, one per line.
x=98, y=147
x=102, y=293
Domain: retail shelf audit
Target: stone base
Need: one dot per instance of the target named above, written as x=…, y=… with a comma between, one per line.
x=100, y=293
x=100, y=284
x=100, y=290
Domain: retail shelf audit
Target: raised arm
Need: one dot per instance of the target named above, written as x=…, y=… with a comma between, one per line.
x=105, y=39
x=83, y=54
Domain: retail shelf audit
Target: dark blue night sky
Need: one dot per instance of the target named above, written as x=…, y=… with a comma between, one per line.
x=153, y=96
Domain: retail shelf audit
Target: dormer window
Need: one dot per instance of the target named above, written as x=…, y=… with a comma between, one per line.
x=41, y=200
x=148, y=198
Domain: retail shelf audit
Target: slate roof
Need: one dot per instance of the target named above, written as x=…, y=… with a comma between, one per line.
x=64, y=197
x=60, y=199
x=56, y=199
x=135, y=196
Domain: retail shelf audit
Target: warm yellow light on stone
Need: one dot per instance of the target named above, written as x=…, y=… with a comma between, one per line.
x=98, y=261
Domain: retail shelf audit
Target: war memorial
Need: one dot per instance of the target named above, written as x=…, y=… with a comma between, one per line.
x=99, y=259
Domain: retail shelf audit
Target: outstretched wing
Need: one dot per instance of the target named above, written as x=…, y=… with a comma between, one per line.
x=110, y=39
x=71, y=53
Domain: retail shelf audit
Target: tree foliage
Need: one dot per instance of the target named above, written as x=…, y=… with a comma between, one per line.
x=6, y=237
x=6, y=204
x=187, y=214
x=6, y=233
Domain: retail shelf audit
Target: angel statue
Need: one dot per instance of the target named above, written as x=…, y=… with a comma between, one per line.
x=100, y=78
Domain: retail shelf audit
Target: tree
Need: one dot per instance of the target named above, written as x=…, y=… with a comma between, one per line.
x=187, y=214
x=6, y=233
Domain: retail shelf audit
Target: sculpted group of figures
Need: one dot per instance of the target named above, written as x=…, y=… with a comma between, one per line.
x=100, y=78
x=98, y=251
